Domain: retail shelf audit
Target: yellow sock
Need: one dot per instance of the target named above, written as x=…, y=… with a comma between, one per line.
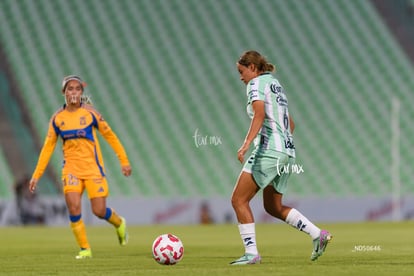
x=114, y=219
x=79, y=230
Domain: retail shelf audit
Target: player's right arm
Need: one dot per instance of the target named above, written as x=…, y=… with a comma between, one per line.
x=255, y=126
x=45, y=154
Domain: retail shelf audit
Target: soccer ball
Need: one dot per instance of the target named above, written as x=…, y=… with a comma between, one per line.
x=167, y=249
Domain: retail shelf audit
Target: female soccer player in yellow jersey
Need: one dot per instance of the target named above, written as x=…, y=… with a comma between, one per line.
x=269, y=165
x=83, y=168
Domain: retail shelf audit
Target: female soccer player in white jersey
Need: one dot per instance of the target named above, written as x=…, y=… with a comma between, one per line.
x=271, y=131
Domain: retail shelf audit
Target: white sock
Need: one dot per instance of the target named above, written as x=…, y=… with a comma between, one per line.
x=300, y=222
x=248, y=235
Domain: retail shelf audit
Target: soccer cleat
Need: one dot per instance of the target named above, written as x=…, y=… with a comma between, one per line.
x=84, y=254
x=319, y=244
x=122, y=232
x=247, y=259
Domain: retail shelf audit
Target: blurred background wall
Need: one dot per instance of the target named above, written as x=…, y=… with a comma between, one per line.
x=163, y=74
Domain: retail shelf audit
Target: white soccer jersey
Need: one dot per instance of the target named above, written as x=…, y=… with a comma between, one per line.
x=275, y=133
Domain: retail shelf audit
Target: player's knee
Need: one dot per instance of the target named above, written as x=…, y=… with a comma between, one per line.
x=234, y=201
x=237, y=202
x=74, y=209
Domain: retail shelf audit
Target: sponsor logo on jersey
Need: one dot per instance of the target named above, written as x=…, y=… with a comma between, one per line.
x=276, y=88
x=81, y=133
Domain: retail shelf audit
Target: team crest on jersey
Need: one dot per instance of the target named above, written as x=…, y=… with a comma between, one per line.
x=82, y=121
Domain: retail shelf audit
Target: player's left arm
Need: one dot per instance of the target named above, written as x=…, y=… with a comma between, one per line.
x=113, y=140
x=117, y=146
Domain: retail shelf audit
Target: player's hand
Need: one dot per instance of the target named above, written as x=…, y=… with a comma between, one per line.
x=241, y=152
x=32, y=185
x=126, y=170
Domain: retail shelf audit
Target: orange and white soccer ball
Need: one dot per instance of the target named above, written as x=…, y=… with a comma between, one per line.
x=167, y=249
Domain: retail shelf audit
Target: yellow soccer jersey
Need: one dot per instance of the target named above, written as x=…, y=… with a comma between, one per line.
x=81, y=151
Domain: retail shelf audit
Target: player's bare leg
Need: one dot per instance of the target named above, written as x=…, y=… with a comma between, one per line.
x=243, y=192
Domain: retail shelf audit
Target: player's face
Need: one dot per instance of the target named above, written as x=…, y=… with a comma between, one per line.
x=247, y=73
x=73, y=92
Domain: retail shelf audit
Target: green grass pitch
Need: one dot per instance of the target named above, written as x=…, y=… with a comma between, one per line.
x=377, y=248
